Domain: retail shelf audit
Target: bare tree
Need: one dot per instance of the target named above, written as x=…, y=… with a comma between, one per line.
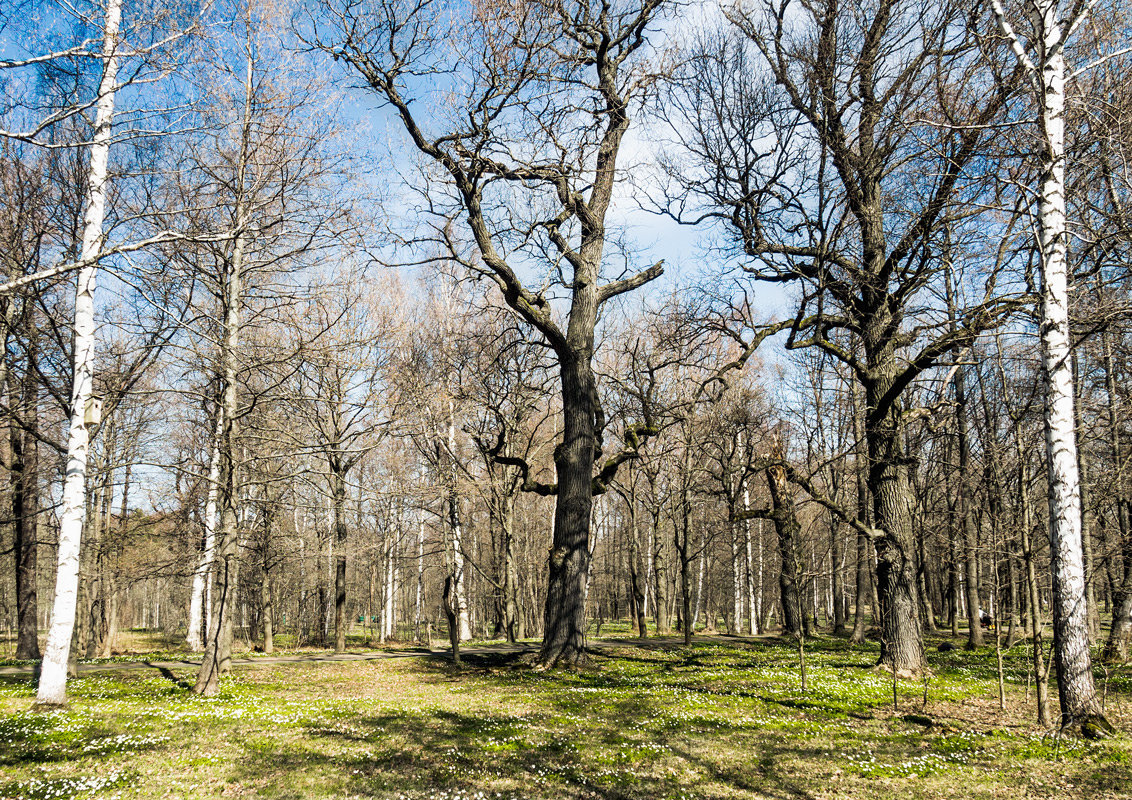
x=540, y=100
x=807, y=131
x=1040, y=52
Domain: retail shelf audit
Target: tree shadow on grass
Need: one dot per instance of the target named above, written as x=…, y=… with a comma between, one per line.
x=445, y=753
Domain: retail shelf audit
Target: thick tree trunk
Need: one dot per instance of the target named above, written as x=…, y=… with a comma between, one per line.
x=902, y=648
x=52, y=688
x=565, y=616
x=865, y=514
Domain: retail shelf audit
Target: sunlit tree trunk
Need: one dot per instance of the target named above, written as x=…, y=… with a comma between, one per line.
x=199, y=607
x=217, y=659
x=52, y=688
x=1076, y=689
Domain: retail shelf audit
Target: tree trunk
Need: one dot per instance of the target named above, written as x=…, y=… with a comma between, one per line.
x=456, y=530
x=341, y=532
x=967, y=516
x=1076, y=690
x=420, y=578
x=25, y=513
x=902, y=646
x=217, y=657
x=660, y=576
x=1120, y=635
x=835, y=587
x=512, y=622
x=864, y=513
x=565, y=617
x=789, y=536
x=199, y=610
x=1091, y=615
x=52, y=688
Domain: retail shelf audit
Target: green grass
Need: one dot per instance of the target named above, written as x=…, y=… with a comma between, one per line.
x=725, y=719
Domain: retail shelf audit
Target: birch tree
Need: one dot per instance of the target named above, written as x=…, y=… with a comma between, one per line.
x=52, y=688
x=1040, y=50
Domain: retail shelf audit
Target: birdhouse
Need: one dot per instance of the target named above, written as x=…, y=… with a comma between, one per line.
x=92, y=412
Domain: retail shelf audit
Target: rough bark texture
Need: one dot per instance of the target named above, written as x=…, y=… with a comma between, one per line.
x=789, y=536
x=565, y=617
x=1120, y=635
x=902, y=648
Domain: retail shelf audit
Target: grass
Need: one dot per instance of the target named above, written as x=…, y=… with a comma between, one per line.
x=720, y=719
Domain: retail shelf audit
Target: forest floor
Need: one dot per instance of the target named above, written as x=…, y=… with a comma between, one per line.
x=724, y=718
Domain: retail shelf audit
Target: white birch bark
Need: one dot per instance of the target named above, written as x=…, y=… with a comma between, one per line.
x=753, y=598
x=200, y=601
x=457, y=538
x=390, y=607
x=1076, y=687
x=52, y=688
x=759, y=587
x=1074, y=664
x=420, y=576
x=700, y=582
x=736, y=580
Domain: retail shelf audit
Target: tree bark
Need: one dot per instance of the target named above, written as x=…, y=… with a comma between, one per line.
x=967, y=515
x=52, y=688
x=1120, y=635
x=789, y=536
x=1076, y=690
x=565, y=617
x=865, y=514
x=902, y=648
x=25, y=513
x=341, y=534
x=217, y=657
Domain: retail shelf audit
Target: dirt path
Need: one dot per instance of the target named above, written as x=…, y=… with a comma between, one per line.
x=652, y=643
x=302, y=658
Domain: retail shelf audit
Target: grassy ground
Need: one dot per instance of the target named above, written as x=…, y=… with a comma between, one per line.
x=721, y=719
